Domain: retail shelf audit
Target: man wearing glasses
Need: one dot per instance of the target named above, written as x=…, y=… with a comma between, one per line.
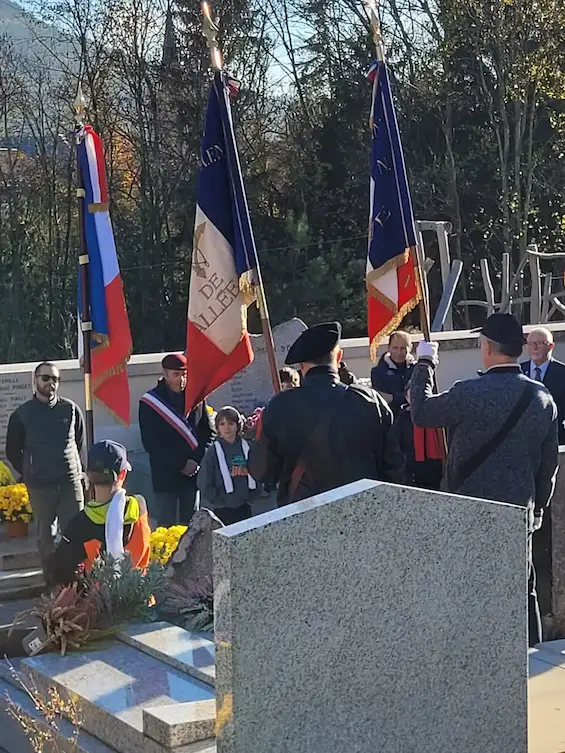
x=545, y=369
x=46, y=444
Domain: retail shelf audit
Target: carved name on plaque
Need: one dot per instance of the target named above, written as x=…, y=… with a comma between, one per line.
x=15, y=389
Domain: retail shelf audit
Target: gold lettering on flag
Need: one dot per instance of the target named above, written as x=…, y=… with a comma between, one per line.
x=199, y=261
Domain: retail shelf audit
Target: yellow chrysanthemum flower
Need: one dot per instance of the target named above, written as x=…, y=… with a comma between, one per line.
x=14, y=503
x=6, y=476
x=164, y=541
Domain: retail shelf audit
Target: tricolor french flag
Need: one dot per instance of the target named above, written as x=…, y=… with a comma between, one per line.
x=392, y=283
x=111, y=337
x=223, y=257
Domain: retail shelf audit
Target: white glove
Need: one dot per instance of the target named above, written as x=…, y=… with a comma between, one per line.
x=428, y=351
x=538, y=520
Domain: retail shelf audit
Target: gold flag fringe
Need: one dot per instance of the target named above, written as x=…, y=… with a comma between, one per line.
x=247, y=288
x=391, y=326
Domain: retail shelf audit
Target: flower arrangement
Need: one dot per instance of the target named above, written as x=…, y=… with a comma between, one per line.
x=164, y=541
x=96, y=607
x=14, y=503
x=251, y=424
x=190, y=606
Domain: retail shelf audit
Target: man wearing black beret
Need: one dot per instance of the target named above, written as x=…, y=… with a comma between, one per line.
x=502, y=430
x=324, y=434
x=174, y=441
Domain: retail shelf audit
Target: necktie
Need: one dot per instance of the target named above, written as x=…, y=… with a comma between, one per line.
x=537, y=373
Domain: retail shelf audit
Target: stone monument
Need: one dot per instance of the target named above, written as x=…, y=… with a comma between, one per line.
x=373, y=618
x=252, y=387
x=191, y=562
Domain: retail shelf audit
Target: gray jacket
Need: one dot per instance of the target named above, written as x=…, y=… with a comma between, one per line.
x=46, y=443
x=210, y=482
x=522, y=470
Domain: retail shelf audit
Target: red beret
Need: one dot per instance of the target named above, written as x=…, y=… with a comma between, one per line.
x=174, y=362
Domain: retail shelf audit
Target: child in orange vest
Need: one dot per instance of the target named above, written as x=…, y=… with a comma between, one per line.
x=112, y=522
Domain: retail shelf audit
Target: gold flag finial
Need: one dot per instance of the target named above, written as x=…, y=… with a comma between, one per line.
x=210, y=30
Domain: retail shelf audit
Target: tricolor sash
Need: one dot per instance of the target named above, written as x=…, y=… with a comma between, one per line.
x=176, y=420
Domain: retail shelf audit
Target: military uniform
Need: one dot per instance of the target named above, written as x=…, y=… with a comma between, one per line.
x=521, y=469
x=323, y=434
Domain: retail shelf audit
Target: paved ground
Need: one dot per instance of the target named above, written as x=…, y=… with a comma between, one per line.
x=8, y=610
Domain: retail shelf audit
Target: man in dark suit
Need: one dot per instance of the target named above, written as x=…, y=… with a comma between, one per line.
x=545, y=369
x=176, y=442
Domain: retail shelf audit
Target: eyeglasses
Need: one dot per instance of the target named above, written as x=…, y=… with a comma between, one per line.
x=49, y=378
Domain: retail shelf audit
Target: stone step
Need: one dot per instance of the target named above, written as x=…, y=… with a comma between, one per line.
x=192, y=653
x=18, y=553
x=181, y=724
x=113, y=686
x=21, y=584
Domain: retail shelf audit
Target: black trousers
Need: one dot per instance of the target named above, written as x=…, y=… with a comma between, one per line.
x=175, y=508
x=229, y=515
x=535, y=634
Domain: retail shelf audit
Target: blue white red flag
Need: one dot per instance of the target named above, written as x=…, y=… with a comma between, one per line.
x=224, y=257
x=392, y=283
x=111, y=337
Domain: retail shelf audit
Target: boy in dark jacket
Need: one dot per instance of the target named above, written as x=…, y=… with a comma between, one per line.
x=223, y=479
x=415, y=452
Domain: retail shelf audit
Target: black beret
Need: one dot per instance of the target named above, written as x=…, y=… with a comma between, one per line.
x=503, y=329
x=314, y=343
x=174, y=362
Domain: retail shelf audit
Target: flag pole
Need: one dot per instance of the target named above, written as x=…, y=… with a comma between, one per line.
x=210, y=31
x=84, y=320
x=422, y=305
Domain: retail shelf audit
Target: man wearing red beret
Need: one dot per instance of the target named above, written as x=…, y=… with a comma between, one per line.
x=175, y=442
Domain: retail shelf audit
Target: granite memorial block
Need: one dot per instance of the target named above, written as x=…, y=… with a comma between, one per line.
x=252, y=387
x=373, y=618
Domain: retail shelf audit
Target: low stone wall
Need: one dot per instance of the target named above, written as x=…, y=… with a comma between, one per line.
x=460, y=359
x=459, y=352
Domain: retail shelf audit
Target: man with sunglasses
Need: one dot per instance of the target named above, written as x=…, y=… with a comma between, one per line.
x=46, y=444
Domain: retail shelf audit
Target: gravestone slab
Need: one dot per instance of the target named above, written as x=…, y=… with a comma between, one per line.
x=192, y=653
x=112, y=687
x=15, y=389
x=373, y=618
x=252, y=387
x=181, y=724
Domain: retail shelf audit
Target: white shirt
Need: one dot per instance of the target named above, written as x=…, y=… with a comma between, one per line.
x=542, y=367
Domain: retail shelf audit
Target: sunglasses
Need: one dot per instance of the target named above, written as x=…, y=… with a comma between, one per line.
x=48, y=378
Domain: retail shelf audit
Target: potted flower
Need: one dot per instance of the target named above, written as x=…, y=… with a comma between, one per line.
x=15, y=509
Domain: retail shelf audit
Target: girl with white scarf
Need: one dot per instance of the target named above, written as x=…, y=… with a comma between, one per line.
x=223, y=479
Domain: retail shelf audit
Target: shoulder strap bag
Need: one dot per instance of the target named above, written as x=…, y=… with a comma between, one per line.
x=484, y=453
